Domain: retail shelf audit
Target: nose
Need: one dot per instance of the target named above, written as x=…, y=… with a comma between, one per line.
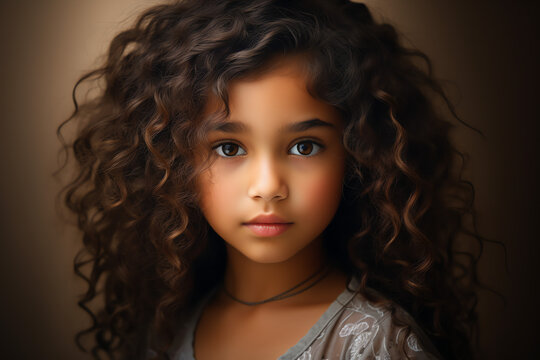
x=267, y=181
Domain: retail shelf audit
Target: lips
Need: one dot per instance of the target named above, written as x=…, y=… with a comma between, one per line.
x=268, y=225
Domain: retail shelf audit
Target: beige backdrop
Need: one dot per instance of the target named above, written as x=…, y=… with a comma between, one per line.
x=484, y=49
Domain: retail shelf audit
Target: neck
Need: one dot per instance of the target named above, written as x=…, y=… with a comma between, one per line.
x=254, y=281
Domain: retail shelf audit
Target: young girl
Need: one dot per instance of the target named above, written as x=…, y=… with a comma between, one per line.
x=269, y=179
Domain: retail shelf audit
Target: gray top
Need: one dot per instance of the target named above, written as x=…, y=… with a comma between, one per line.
x=351, y=328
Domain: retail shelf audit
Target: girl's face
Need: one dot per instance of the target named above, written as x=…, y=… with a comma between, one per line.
x=277, y=179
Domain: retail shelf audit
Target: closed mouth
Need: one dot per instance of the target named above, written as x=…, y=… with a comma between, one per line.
x=268, y=229
x=267, y=219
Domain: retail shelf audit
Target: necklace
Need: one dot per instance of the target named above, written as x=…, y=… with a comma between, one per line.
x=321, y=273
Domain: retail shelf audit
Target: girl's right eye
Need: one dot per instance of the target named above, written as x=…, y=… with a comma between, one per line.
x=229, y=150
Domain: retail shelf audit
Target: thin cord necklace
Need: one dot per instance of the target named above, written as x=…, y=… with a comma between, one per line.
x=321, y=273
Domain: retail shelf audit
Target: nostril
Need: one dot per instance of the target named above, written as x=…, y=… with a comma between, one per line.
x=268, y=190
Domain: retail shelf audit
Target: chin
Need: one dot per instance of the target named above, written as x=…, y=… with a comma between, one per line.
x=267, y=255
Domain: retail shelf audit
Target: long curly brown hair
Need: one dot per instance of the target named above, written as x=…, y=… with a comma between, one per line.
x=148, y=251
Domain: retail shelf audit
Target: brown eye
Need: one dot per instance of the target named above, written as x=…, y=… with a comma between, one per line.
x=229, y=150
x=305, y=148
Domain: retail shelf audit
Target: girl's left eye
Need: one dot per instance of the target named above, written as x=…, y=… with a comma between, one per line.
x=305, y=148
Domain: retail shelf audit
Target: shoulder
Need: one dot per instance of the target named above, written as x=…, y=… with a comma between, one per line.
x=364, y=330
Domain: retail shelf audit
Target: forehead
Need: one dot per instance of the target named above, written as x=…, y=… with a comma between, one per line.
x=275, y=96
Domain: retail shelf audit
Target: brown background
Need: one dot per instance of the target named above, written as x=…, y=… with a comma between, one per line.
x=485, y=51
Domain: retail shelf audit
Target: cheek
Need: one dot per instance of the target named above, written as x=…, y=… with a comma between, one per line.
x=321, y=196
x=218, y=194
x=211, y=194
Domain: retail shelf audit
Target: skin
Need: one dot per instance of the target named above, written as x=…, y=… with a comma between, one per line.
x=261, y=167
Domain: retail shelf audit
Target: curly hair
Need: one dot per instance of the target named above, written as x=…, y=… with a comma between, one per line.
x=148, y=251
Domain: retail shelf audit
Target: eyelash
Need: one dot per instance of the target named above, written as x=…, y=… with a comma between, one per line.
x=317, y=148
x=218, y=149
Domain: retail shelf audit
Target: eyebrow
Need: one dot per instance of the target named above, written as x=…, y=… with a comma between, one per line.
x=308, y=124
x=230, y=127
x=238, y=127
